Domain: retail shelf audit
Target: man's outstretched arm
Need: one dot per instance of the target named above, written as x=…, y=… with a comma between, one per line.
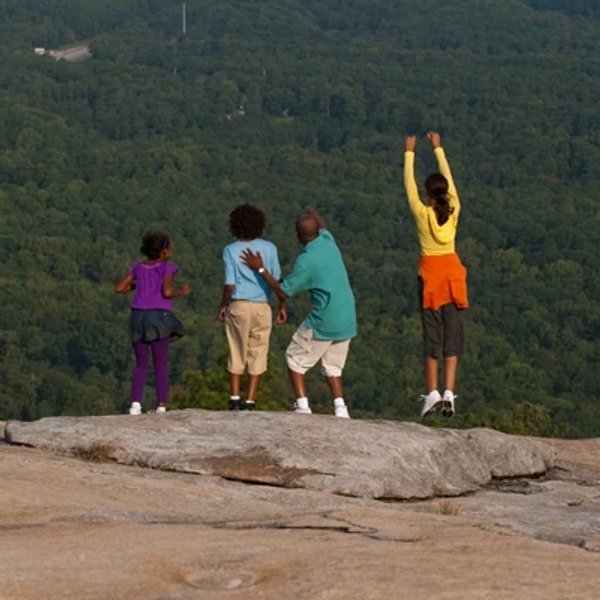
x=255, y=262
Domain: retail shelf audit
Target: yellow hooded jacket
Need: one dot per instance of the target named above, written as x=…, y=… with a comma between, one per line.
x=444, y=276
x=434, y=239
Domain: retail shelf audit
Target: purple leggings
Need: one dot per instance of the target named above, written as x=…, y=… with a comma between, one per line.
x=160, y=353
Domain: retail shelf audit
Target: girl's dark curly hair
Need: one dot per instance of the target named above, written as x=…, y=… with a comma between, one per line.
x=246, y=222
x=153, y=243
x=436, y=186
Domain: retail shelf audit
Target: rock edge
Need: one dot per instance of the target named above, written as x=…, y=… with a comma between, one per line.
x=372, y=459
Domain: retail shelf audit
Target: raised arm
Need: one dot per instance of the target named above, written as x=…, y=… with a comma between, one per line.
x=416, y=206
x=444, y=168
x=314, y=213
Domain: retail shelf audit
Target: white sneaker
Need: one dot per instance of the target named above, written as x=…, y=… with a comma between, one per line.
x=340, y=408
x=136, y=408
x=301, y=407
x=161, y=409
x=448, y=408
x=430, y=401
x=342, y=411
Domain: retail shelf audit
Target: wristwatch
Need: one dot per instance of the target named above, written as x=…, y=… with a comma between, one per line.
x=261, y=270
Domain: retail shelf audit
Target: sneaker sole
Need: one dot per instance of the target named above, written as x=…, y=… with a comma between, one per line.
x=448, y=409
x=303, y=411
x=431, y=410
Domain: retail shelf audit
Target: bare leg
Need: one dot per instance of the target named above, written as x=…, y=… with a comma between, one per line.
x=298, y=383
x=335, y=385
x=431, y=373
x=450, y=367
x=235, y=381
x=252, y=386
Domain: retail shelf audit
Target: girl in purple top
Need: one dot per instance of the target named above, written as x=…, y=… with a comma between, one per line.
x=153, y=325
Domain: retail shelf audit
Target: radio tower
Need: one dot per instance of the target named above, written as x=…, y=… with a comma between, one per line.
x=183, y=19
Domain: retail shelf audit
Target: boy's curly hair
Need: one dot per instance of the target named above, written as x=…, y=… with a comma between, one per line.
x=153, y=243
x=246, y=222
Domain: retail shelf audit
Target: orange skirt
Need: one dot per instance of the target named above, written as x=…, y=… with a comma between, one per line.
x=444, y=281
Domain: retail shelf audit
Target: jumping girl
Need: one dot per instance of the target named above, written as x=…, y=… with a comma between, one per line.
x=153, y=324
x=442, y=277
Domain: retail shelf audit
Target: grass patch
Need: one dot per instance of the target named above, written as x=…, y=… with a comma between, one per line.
x=445, y=507
x=97, y=452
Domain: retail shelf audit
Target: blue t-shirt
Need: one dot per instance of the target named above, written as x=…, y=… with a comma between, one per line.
x=249, y=285
x=320, y=269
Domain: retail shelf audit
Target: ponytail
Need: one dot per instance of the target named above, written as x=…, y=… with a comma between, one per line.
x=442, y=209
x=436, y=186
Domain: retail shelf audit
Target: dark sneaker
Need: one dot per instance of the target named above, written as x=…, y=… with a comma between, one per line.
x=234, y=405
x=247, y=405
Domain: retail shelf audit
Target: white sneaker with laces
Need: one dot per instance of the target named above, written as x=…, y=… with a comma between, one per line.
x=301, y=407
x=430, y=401
x=340, y=408
x=448, y=408
x=136, y=408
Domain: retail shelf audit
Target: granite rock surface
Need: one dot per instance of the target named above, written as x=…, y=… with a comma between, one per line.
x=76, y=528
x=371, y=459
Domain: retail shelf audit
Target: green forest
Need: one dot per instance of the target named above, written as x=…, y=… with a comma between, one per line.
x=291, y=104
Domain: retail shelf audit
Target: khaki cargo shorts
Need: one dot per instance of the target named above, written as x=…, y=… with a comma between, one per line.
x=304, y=352
x=248, y=328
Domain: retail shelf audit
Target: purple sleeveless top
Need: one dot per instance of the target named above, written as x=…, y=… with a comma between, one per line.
x=148, y=285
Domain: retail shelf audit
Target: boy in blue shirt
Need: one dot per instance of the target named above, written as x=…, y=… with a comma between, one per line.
x=245, y=306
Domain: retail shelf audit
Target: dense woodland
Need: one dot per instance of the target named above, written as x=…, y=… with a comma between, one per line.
x=287, y=104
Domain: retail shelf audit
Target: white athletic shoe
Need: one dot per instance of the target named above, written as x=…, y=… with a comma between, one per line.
x=430, y=401
x=161, y=409
x=136, y=408
x=448, y=408
x=342, y=411
x=301, y=407
x=340, y=408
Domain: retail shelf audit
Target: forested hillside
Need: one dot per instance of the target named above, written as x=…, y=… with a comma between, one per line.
x=287, y=104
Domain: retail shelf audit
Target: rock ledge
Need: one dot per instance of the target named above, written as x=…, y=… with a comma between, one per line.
x=371, y=459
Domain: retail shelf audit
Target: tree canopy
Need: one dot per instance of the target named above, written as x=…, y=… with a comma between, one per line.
x=288, y=104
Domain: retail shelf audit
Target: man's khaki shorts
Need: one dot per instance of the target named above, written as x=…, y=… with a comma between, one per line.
x=248, y=328
x=304, y=352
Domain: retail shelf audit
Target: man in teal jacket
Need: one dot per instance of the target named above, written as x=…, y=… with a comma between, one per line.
x=326, y=333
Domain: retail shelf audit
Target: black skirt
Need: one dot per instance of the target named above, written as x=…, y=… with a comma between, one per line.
x=151, y=325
